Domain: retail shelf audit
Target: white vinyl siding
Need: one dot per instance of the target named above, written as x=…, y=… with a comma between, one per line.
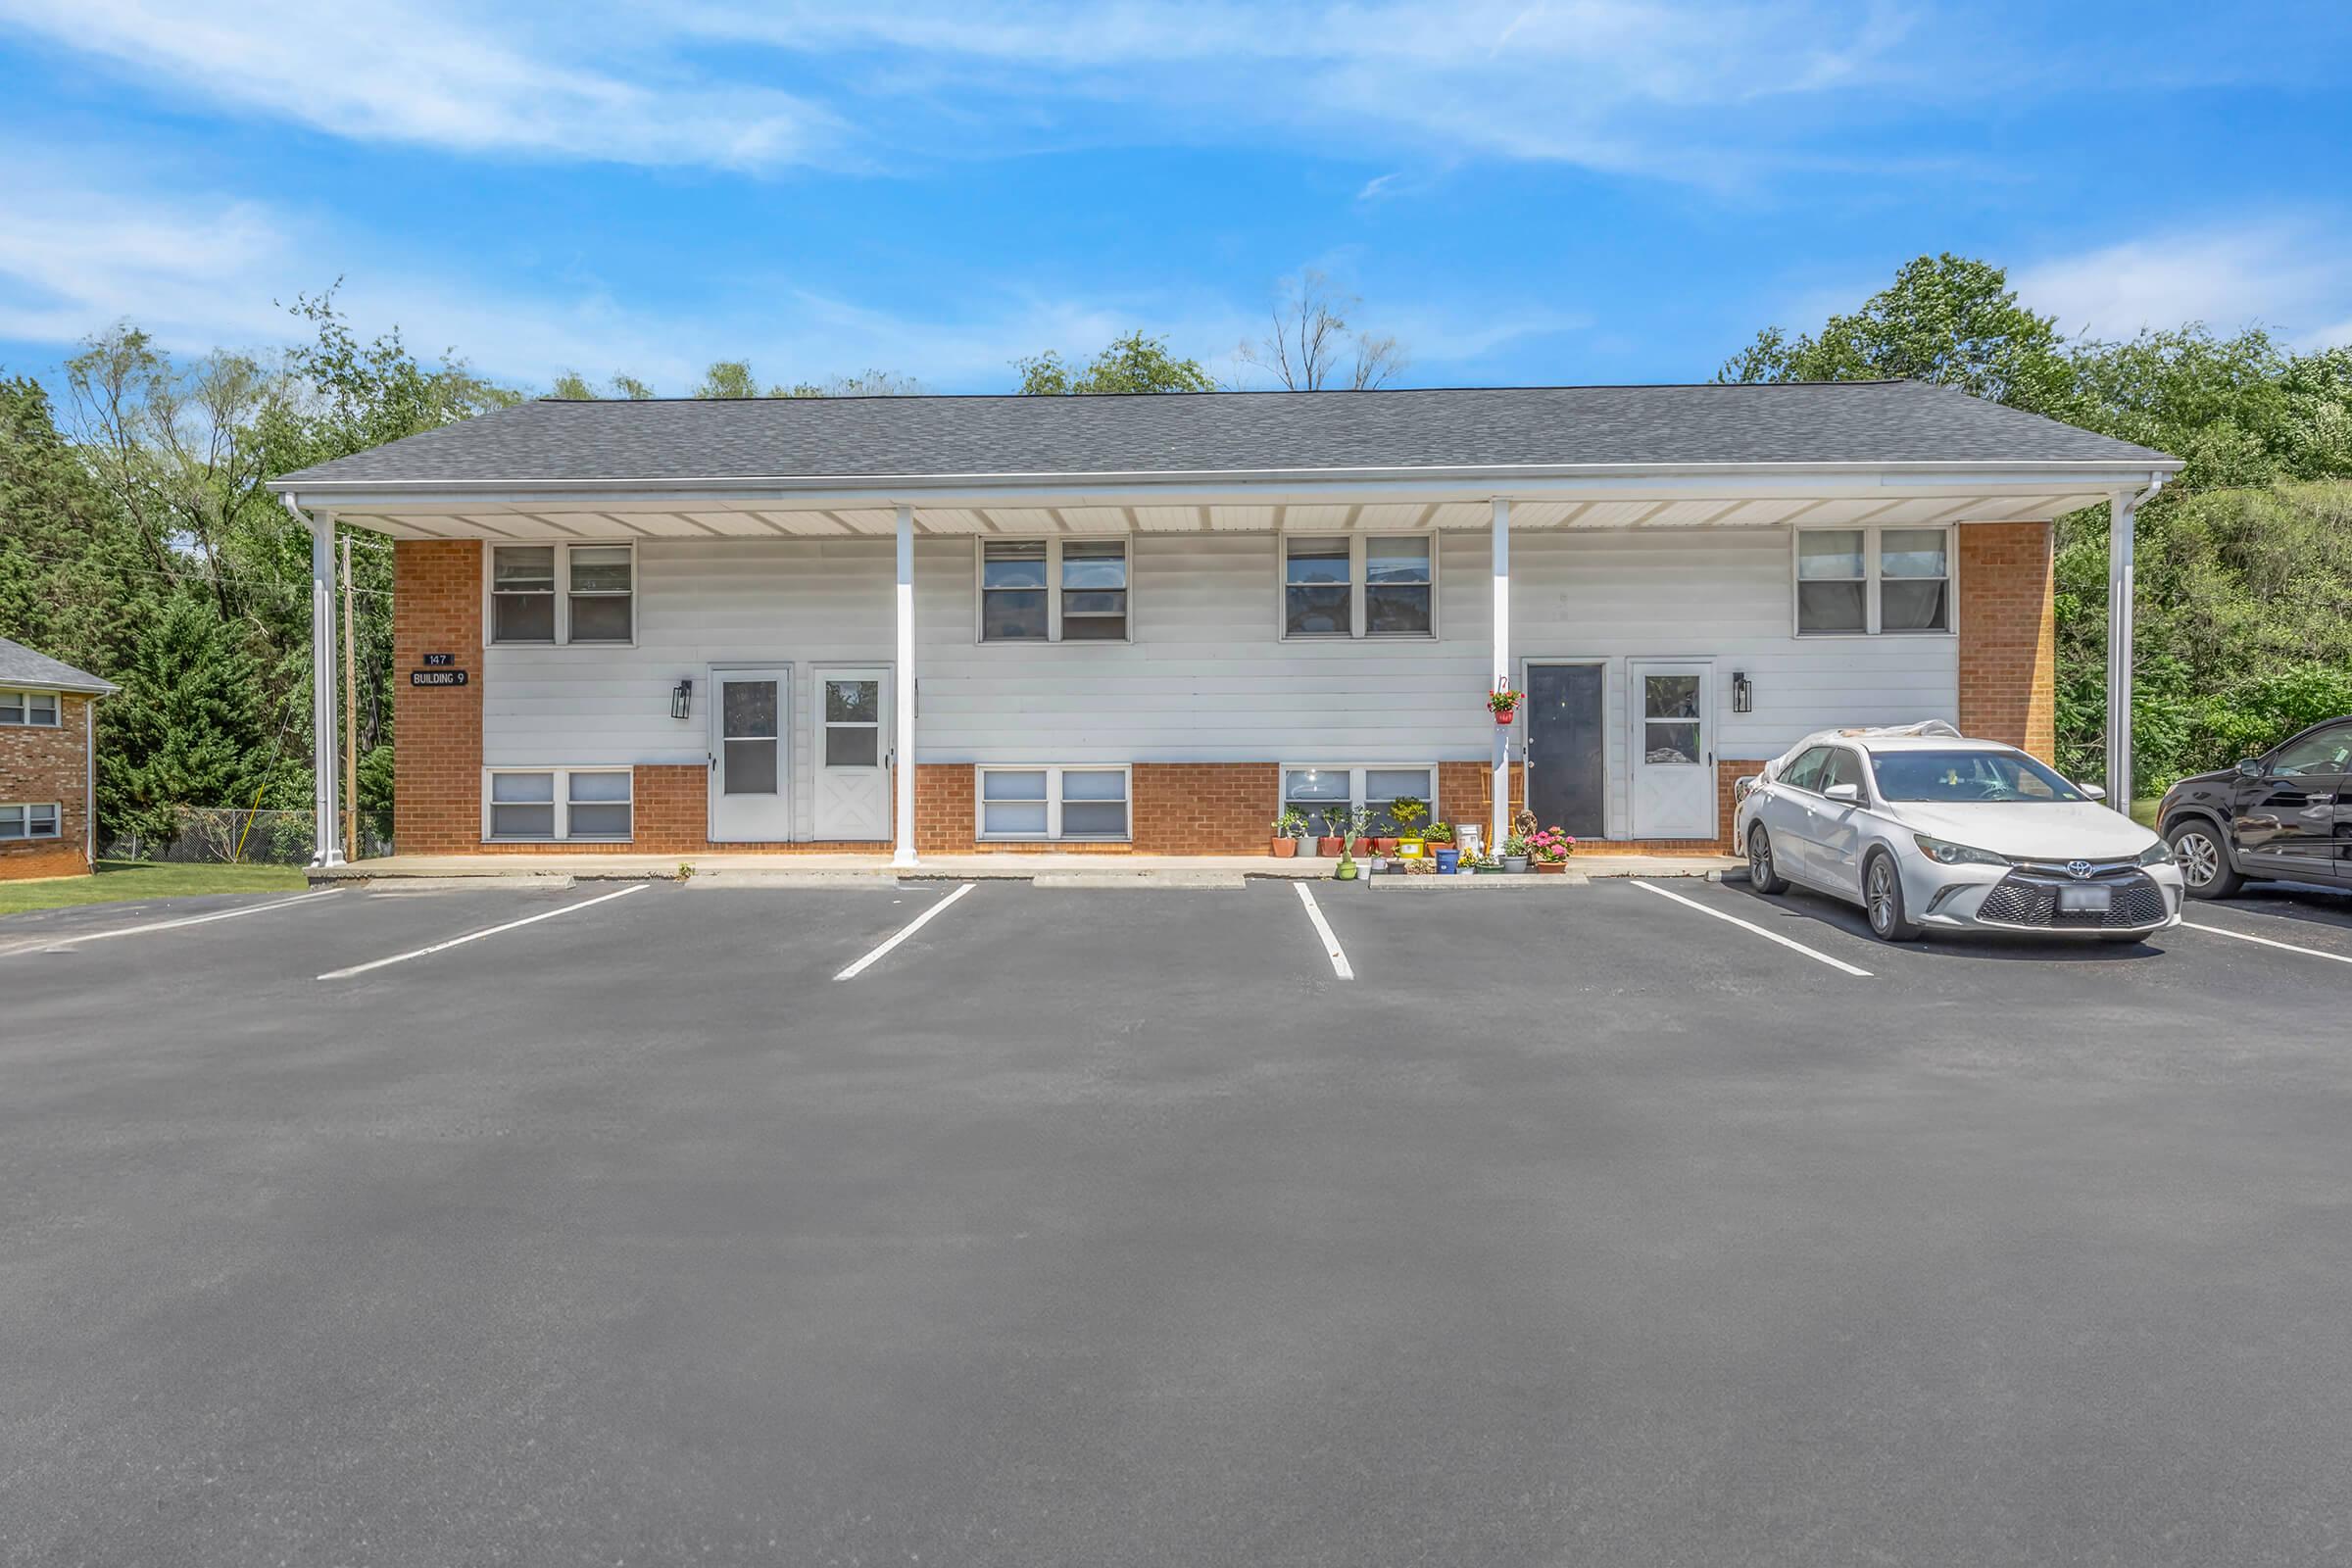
x=28, y=820
x=36, y=709
x=1052, y=804
x=1206, y=677
x=557, y=804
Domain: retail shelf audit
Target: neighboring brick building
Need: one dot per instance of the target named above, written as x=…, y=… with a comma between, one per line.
x=1126, y=625
x=47, y=738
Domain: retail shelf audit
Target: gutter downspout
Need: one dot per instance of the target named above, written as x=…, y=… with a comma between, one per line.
x=89, y=783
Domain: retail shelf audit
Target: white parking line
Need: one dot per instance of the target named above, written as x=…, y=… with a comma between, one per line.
x=476, y=936
x=1749, y=925
x=1330, y=944
x=904, y=931
x=60, y=943
x=2334, y=957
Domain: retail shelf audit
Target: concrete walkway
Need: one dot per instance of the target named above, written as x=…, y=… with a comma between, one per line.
x=1089, y=871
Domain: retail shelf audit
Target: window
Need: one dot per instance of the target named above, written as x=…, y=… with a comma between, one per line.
x=1355, y=585
x=1053, y=803
x=28, y=821
x=38, y=709
x=1325, y=796
x=1053, y=590
x=560, y=802
x=852, y=722
x=1969, y=778
x=1862, y=581
x=2323, y=752
x=1845, y=767
x=598, y=604
x=1805, y=772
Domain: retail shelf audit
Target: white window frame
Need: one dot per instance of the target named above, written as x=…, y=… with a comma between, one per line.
x=1871, y=532
x=563, y=637
x=1356, y=772
x=57, y=822
x=563, y=805
x=1054, y=773
x=1357, y=631
x=24, y=696
x=1054, y=589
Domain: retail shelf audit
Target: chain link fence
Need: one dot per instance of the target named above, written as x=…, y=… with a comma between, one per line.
x=223, y=835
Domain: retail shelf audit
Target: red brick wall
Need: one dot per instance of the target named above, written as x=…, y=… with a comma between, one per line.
x=2008, y=635
x=437, y=731
x=37, y=765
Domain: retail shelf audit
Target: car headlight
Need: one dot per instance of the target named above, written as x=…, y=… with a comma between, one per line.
x=1944, y=853
x=2156, y=853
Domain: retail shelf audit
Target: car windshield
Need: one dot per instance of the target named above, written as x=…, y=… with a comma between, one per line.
x=1968, y=777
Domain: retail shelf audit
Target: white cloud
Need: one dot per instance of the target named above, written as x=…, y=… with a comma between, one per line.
x=2281, y=274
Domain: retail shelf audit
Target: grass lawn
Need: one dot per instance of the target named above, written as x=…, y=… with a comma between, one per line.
x=120, y=880
x=2145, y=812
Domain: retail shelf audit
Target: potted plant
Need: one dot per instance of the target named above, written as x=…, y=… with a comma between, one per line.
x=1408, y=813
x=1504, y=703
x=1289, y=828
x=1357, y=819
x=1439, y=837
x=1549, y=849
x=1514, y=854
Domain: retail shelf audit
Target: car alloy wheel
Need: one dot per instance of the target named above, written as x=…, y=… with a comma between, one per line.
x=2200, y=858
x=1760, y=874
x=1881, y=896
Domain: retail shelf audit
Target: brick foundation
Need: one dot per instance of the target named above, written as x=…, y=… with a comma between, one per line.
x=40, y=764
x=2008, y=636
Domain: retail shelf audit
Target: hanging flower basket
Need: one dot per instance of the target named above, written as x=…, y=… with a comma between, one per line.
x=1505, y=704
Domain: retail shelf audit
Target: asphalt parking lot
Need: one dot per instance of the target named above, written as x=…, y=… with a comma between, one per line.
x=1125, y=1227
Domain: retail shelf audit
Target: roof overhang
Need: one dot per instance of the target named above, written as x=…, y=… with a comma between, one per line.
x=1719, y=495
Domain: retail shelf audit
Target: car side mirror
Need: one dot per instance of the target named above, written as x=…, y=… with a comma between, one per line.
x=2092, y=792
x=1848, y=794
x=2249, y=768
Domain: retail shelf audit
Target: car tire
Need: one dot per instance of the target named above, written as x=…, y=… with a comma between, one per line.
x=1763, y=870
x=1883, y=899
x=2204, y=859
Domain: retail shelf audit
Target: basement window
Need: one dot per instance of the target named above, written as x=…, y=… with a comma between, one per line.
x=37, y=709
x=1325, y=796
x=596, y=604
x=1053, y=803
x=33, y=821
x=558, y=803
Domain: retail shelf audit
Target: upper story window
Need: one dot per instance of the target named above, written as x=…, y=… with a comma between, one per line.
x=597, y=601
x=38, y=709
x=1053, y=590
x=1359, y=585
x=1862, y=581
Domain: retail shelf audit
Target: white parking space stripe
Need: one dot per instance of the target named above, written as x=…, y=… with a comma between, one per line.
x=2243, y=936
x=1330, y=944
x=60, y=943
x=476, y=936
x=1748, y=925
x=908, y=929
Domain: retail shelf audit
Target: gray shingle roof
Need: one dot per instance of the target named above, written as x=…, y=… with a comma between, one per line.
x=1223, y=432
x=20, y=666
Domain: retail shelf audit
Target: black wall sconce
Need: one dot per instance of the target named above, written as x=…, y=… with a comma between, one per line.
x=681, y=699
x=1743, y=695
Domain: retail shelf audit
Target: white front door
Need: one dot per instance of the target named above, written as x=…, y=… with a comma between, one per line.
x=751, y=762
x=853, y=772
x=1673, y=748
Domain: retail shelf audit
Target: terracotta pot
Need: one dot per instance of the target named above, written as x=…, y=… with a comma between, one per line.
x=1551, y=868
x=1282, y=849
x=1384, y=847
x=1502, y=718
x=1328, y=848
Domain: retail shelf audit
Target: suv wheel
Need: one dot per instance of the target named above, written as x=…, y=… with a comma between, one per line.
x=1883, y=899
x=2204, y=859
x=1762, y=874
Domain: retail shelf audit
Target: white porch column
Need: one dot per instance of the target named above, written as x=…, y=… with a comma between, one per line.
x=327, y=783
x=1501, y=570
x=903, y=695
x=2120, y=509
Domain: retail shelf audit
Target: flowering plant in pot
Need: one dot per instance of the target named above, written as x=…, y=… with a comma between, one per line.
x=1514, y=854
x=1549, y=849
x=1504, y=703
x=1289, y=828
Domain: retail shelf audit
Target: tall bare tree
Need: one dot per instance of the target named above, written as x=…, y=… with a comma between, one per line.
x=1312, y=347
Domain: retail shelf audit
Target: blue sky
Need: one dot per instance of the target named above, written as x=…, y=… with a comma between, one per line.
x=1614, y=190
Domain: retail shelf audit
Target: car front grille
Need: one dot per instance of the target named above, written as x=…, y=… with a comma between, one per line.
x=2029, y=896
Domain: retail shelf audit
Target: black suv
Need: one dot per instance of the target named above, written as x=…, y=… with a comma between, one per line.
x=2286, y=814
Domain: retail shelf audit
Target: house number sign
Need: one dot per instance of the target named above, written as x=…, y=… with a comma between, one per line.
x=437, y=672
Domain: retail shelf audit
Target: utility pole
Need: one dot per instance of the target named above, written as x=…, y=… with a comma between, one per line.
x=351, y=721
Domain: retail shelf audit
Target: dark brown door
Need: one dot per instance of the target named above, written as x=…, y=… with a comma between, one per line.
x=1565, y=777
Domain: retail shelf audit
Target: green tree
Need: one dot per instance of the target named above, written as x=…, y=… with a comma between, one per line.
x=1133, y=363
x=732, y=378
x=185, y=728
x=573, y=387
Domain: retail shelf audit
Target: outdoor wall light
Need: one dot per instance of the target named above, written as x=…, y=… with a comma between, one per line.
x=681, y=699
x=1743, y=695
